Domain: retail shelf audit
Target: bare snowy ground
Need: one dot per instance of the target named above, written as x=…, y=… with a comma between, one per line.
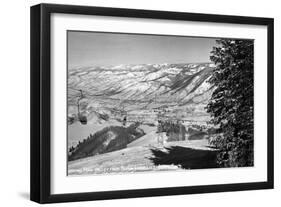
x=144, y=156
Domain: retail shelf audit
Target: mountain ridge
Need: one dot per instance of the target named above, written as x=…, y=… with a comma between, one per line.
x=166, y=83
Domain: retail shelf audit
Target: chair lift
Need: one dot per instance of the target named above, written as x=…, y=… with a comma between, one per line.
x=124, y=115
x=82, y=118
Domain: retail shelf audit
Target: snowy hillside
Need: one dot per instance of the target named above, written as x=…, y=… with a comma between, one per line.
x=169, y=82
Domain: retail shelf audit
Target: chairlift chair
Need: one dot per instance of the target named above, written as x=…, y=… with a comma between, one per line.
x=82, y=118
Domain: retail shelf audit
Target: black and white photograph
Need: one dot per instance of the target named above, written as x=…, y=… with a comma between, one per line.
x=142, y=103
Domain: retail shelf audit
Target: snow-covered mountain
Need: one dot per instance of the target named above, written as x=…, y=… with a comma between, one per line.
x=140, y=87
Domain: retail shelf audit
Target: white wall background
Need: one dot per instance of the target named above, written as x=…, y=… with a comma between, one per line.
x=14, y=104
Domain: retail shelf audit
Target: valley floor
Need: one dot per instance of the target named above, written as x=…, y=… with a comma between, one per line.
x=180, y=155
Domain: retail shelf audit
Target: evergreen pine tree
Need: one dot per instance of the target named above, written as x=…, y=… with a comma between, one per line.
x=232, y=102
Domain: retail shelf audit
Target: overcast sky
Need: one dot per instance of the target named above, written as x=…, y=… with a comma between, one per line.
x=95, y=49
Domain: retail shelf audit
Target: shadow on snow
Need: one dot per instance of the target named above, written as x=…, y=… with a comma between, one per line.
x=187, y=158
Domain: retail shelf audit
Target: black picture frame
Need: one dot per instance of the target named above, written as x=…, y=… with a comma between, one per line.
x=41, y=98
